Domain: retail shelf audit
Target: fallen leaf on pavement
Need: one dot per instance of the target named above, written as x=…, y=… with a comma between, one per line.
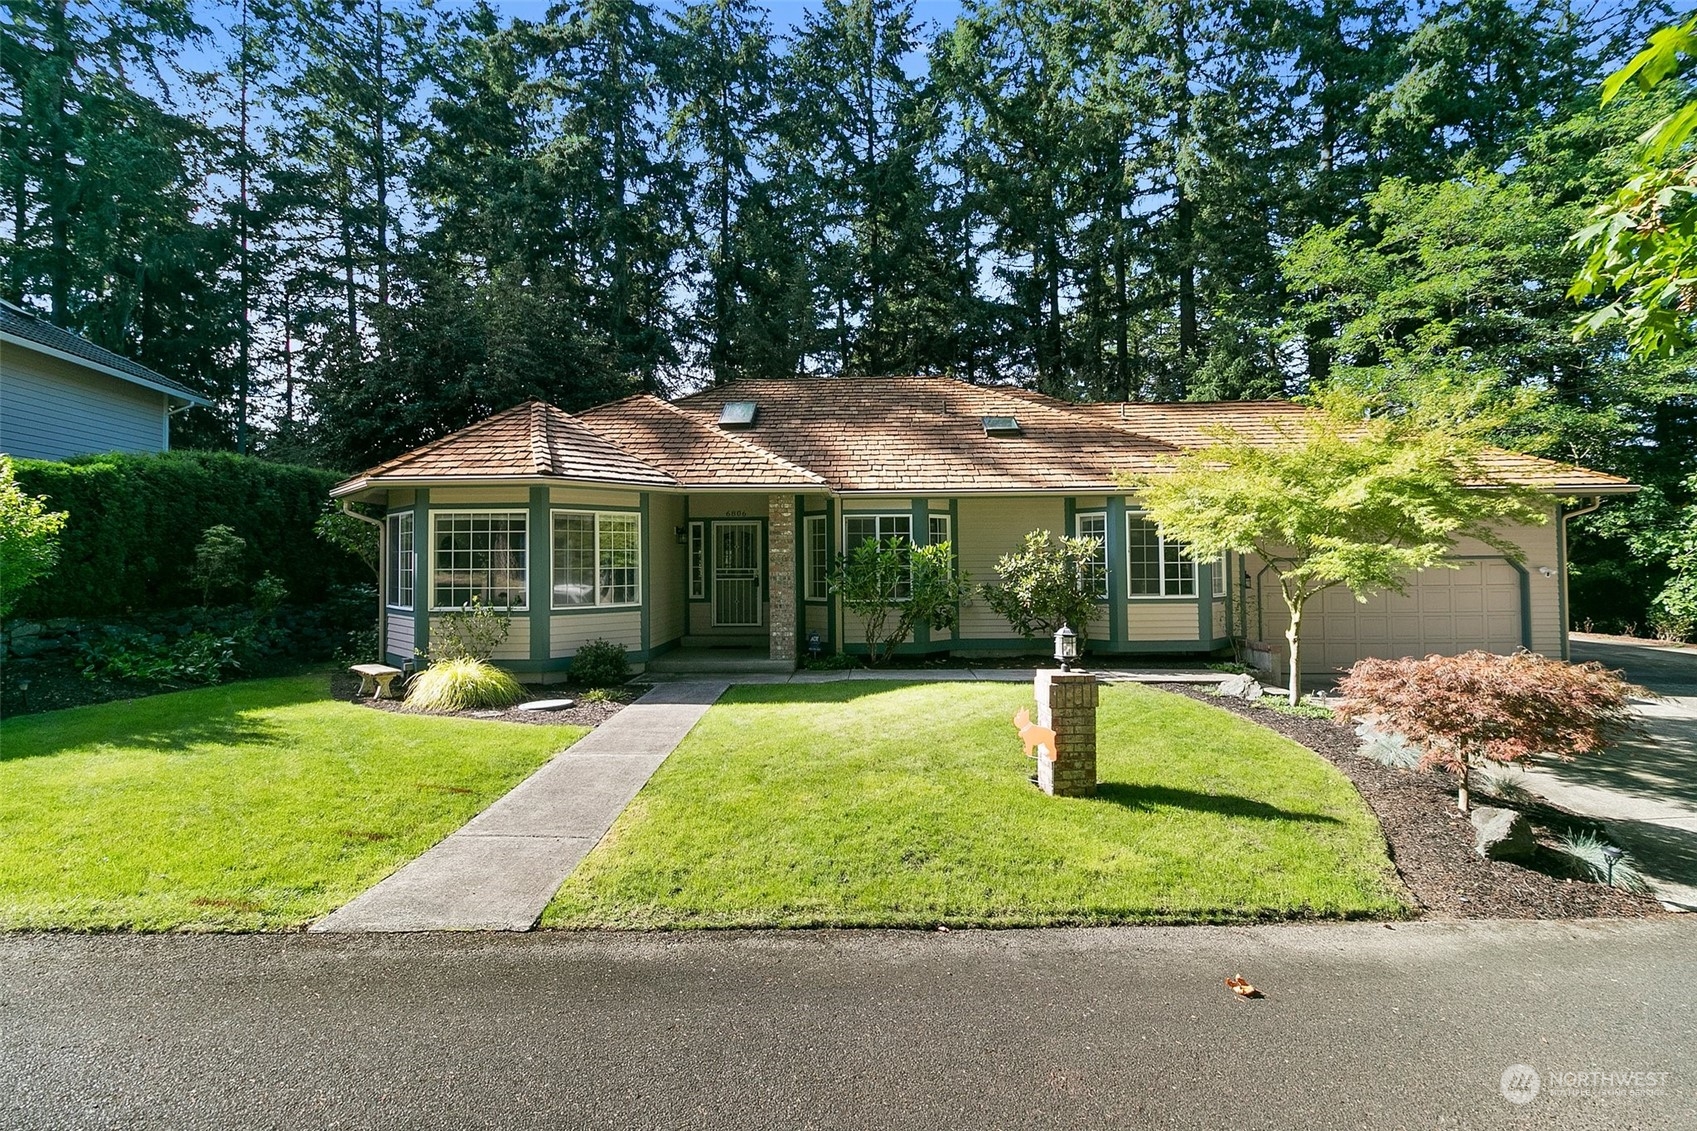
x=1241, y=987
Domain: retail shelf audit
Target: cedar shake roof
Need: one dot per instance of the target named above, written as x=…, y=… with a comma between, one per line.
x=900, y=435
x=1267, y=423
x=919, y=435
x=528, y=441
x=692, y=449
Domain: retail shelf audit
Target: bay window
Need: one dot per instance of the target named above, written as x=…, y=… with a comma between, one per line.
x=479, y=554
x=597, y=559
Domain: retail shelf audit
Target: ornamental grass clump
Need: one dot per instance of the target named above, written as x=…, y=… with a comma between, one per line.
x=462, y=685
x=1466, y=710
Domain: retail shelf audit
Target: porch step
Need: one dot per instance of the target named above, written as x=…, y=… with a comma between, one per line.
x=719, y=661
x=720, y=642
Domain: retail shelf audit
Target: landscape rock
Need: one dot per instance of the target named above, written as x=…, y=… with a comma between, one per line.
x=1244, y=687
x=1501, y=834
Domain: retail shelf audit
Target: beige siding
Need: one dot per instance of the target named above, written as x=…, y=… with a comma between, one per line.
x=741, y=505
x=461, y=496
x=989, y=528
x=569, y=632
x=398, y=626
x=587, y=497
x=53, y=409
x=517, y=644
x=666, y=570
x=1161, y=619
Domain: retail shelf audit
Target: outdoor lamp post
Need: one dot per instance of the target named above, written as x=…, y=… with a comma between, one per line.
x=1066, y=646
x=1611, y=855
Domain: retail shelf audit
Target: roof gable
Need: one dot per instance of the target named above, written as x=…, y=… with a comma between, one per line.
x=20, y=327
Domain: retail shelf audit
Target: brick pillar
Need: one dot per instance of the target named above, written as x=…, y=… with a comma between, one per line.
x=1066, y=704
x=780, y=576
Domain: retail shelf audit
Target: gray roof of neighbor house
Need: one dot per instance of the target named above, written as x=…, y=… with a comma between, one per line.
x=885, y=435
x=20, y=327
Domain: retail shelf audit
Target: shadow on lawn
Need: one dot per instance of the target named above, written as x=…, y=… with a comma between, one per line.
x=1225, y=804
x=42, y=738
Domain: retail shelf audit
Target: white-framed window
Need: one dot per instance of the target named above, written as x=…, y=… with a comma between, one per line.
x=480, y=554
x=1220, y=575
x=940, y=527
x=882, y=528
x=597, y=559
x=815, y=558
x=698, y=561
x=1156, y=566
x=1094, y=524
x=402, y=556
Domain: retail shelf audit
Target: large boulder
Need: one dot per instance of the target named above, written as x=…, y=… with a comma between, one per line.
x=1244, y=687
x=1501, y=834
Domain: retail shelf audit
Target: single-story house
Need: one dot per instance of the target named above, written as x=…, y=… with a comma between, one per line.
x=61, y=395
x=711, y=522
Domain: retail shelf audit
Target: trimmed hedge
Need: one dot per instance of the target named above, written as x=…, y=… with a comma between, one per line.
x=135, y=520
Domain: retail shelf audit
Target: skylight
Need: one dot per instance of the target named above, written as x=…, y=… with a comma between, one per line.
x=737, y=414
x=1000, y=425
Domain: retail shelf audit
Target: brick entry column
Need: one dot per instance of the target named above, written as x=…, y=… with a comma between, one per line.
x=780, y=576
x=1066, y=704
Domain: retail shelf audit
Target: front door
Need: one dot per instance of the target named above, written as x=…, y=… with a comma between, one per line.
x=736, y=574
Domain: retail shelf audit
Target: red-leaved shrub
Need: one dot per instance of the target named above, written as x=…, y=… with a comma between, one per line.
x=1457, y=710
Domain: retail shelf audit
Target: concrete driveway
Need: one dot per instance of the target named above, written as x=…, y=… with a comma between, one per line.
x=1645, y=789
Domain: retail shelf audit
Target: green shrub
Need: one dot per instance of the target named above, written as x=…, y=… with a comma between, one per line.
x=29, y=537
x=1047, y=583
x=600, y=663
x=462, y=685
x=191, y=659
x=129, y=543
x=220, y=558
x=471, y=632
x=596, y=695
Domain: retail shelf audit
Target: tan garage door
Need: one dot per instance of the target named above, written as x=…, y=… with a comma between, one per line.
x=1444, y=611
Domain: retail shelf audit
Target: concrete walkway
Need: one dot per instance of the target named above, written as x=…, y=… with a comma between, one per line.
x=1645, y=789
x=960, y=675
x=499, y=871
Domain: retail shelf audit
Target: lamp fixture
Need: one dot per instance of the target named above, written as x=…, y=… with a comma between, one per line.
x=1066, y=646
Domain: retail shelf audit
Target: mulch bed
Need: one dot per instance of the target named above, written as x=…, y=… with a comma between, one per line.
x=1432, y=844
x=345, y=685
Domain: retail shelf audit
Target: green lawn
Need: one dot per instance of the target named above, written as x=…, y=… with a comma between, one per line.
x=260, y=804
x=873, y=804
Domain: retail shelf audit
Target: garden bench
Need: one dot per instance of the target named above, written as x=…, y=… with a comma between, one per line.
x=374, y=679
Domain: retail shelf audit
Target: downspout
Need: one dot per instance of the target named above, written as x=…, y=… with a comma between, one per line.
x=382, y=575
x=1566, y=513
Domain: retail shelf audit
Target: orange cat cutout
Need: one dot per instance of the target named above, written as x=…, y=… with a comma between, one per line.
x=1034, y=736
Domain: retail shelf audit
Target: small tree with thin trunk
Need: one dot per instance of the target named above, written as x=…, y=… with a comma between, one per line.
x=1337, y=500
x=1459, y=711
x=895, y=586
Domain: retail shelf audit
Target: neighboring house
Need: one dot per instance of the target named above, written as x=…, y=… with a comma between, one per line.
x=61, y=395
x=712, y=521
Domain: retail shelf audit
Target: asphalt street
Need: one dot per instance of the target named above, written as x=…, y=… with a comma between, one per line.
x=1363, y=1025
